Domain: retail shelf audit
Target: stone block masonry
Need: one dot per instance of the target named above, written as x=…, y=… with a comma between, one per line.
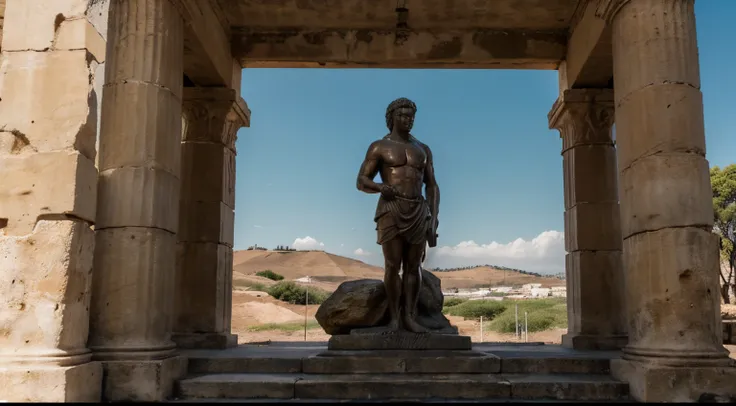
x=203, y=298
x=140, y=130
x=48, y=199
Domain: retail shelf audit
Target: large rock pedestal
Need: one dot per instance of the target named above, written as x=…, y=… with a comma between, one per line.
x=355, y=316
x=360, y=305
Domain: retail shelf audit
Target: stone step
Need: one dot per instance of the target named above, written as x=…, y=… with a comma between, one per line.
x=401, y=362
x=404, y=386
x=356, y=363
x=462, y=401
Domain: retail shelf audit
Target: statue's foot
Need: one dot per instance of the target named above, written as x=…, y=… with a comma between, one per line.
x=412, y=326
x=393, y=326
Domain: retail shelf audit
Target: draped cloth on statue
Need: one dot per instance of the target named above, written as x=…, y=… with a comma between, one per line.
x=404, y=217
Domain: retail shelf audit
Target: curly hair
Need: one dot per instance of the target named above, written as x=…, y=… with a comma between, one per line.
x=399, y=103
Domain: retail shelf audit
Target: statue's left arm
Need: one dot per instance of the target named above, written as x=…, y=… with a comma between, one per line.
x=433, y=196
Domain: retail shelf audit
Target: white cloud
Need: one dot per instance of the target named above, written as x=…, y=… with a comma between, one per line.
x=257, y=226
x=307, y=243
x=361, y=252
x=543, y=254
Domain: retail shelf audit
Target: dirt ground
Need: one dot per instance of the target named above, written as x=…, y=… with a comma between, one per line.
x=253, y=308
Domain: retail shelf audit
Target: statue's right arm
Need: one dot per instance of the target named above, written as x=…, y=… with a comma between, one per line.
x=369, y=170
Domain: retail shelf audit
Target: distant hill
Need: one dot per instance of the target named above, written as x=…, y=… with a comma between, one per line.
x=329, y=270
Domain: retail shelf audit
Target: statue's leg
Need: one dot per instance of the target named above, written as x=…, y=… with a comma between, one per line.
x=412, y=285
x=392, y=254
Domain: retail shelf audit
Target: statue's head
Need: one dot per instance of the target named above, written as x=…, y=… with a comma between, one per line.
x=400, y=113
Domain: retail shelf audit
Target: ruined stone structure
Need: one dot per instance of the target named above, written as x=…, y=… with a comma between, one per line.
x=118, y=121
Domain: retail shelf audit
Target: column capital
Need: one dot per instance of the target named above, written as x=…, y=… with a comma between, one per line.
x=583, y=117
x=213, y=114
x=607, y=9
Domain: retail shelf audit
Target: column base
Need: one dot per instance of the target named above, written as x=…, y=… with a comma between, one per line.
x=656, y=383
x=209, y=341
x=594, y=342
x=52, y=384
x=142, y=381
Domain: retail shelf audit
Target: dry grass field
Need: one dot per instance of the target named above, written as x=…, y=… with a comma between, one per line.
x=258, y=317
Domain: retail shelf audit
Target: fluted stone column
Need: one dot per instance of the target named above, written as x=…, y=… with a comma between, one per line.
x=48, y=193
x=594, y=272
x=138, y=202
x=671, y=257
x=203, y=307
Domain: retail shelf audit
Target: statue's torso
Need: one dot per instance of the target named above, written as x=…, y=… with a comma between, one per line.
x=402, y=166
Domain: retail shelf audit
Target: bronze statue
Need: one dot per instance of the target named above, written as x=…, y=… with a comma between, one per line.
x=405, y=221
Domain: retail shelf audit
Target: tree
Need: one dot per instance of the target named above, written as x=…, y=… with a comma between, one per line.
x=723, y=182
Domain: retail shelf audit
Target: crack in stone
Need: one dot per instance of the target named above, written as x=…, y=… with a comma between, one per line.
x=657, y=151
x=136, y=227
x=625, y=98
x=703, y=227
x=105, y=171
x=140, y=82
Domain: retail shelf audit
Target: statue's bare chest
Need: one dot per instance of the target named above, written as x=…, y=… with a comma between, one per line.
x=400, y=154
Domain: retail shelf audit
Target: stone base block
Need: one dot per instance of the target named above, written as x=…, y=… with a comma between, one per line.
x=402, y=362
x=593, y=342
x=213, y=341
x=399, y=341
x=29, y=383
x=657, y=384
x=142, y=381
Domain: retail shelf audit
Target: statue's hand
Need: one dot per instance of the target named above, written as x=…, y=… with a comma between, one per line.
x=388, y=192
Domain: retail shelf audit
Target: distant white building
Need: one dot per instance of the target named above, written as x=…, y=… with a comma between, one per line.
x=559, y=291
x=496, y=298
x=540, y=292
x=527, y=289
x=306, y=279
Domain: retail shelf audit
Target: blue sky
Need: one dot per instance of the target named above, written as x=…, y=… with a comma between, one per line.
x=498, y=165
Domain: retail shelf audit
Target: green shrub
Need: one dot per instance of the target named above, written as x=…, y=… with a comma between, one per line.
x=248, y=285
x=542, y=314
x=290, y=292
x=454, y=301
x=270, y=275
x=474, y=309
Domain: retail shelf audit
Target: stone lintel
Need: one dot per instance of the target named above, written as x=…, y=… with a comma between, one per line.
x=207, y=57
x=340, y=48
x=589, y=60
x=584, y=51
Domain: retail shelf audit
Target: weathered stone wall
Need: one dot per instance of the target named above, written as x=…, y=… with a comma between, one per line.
x=2, y=21
x=48, y=131
x=97, y=16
